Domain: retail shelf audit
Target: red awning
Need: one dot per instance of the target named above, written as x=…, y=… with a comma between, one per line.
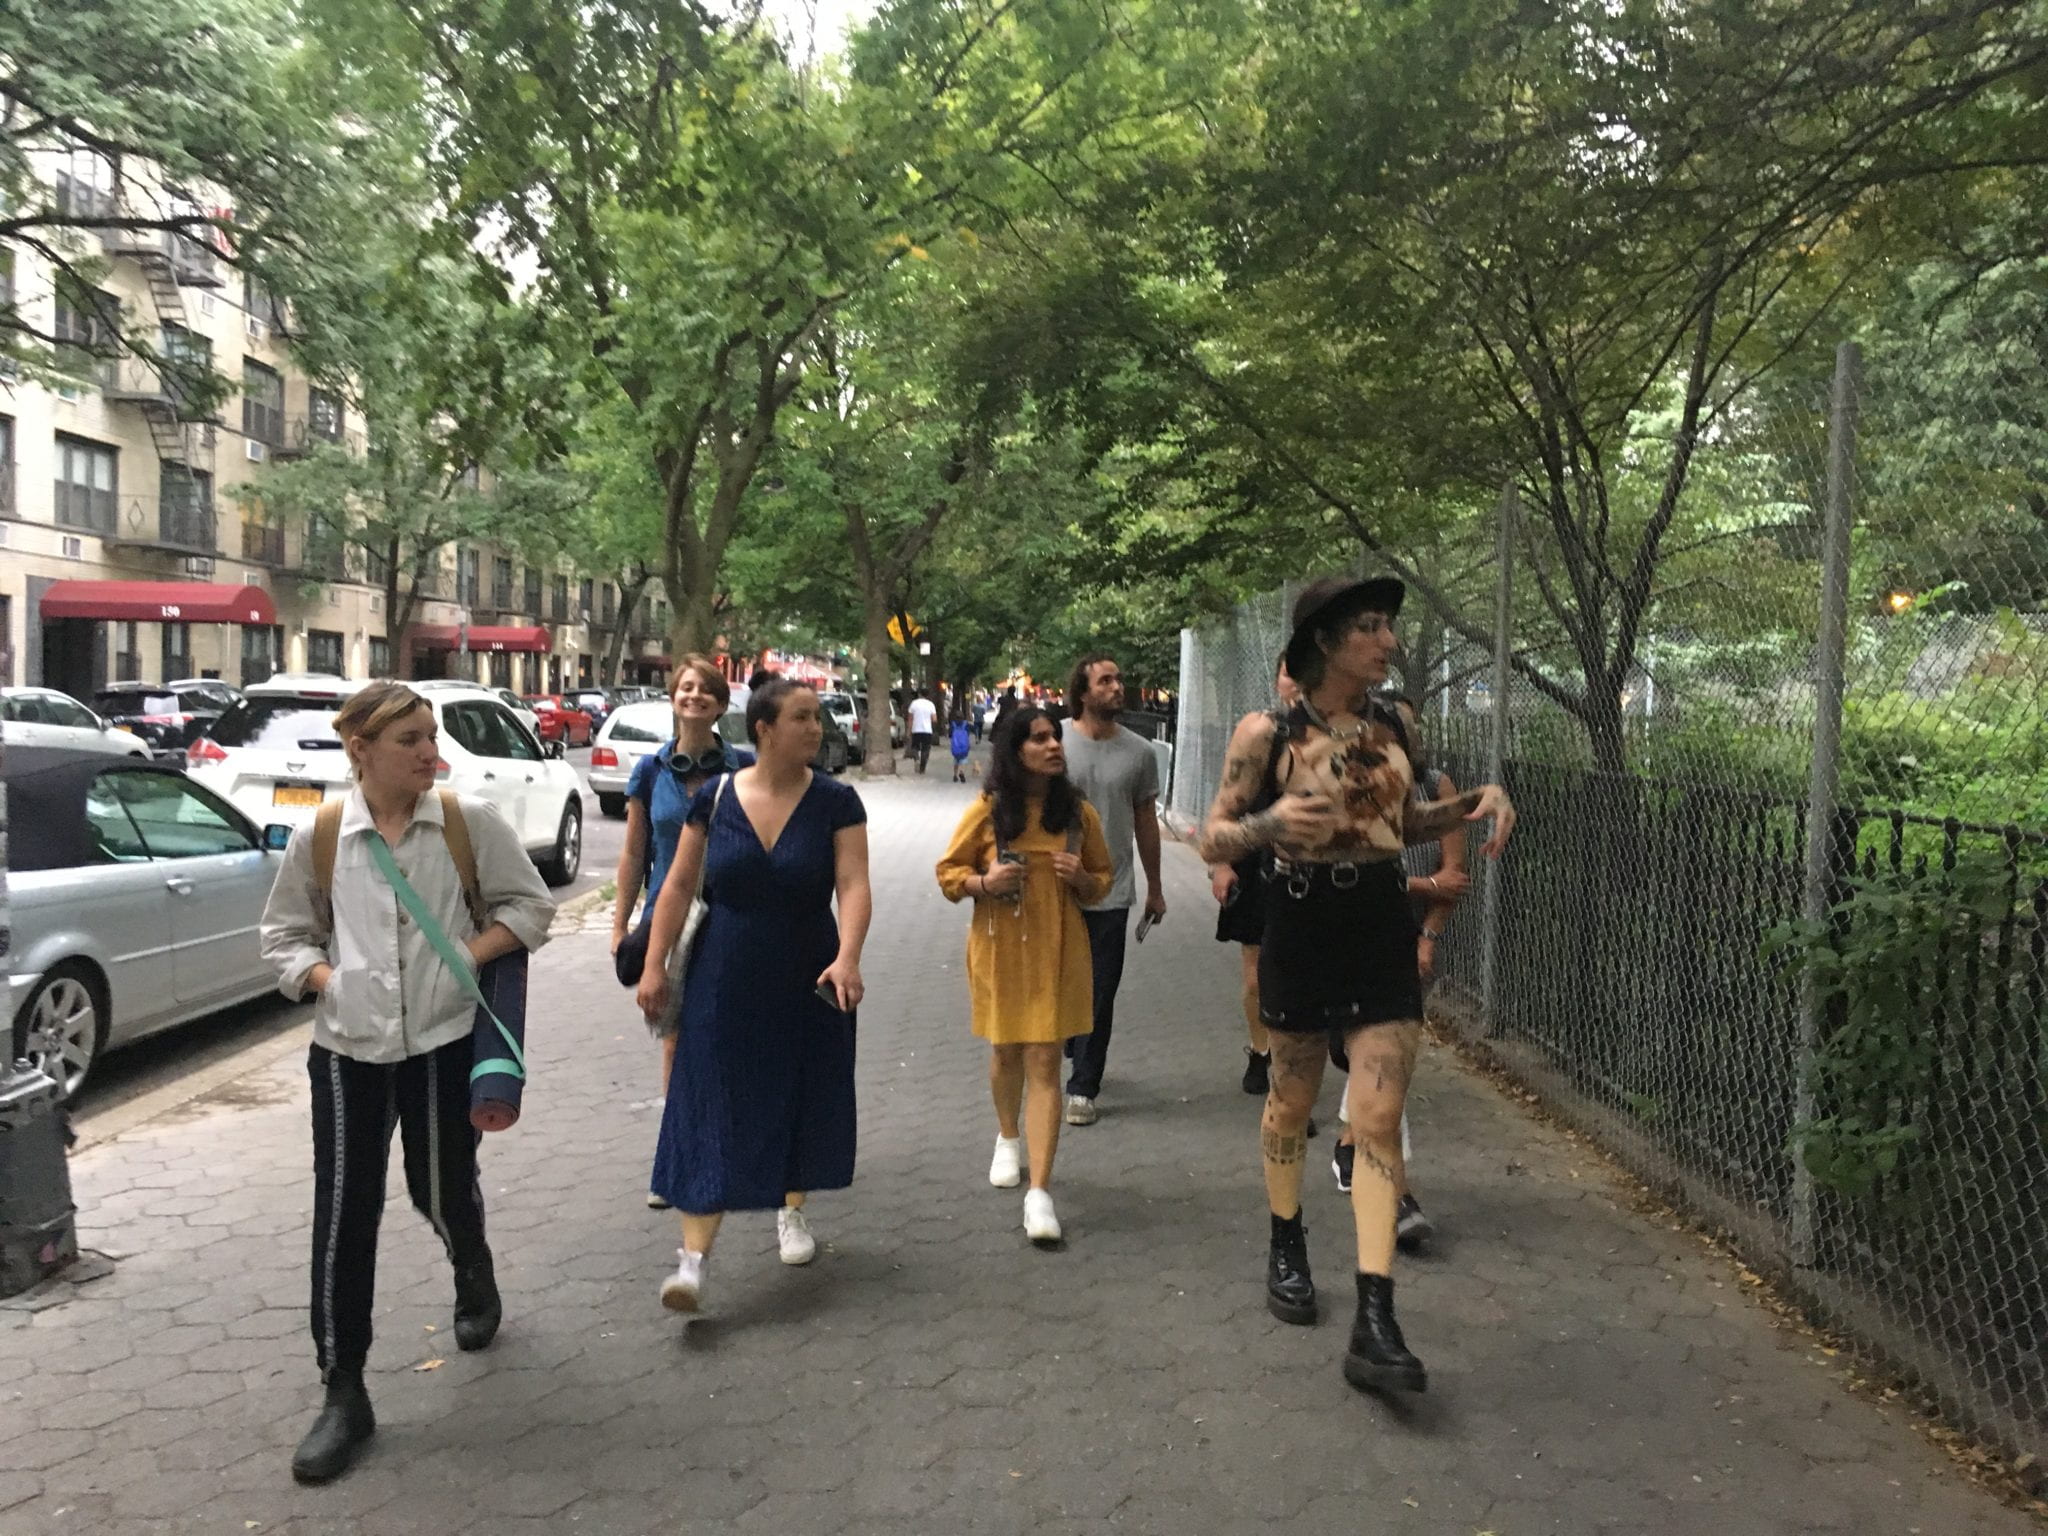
x=186, y=602
x=483, y=637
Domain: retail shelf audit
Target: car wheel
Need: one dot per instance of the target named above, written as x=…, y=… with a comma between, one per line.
x=62, y=1028
x=613, y=806
x=566, y=862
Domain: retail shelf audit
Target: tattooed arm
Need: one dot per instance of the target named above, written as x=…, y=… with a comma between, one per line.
x=1426, y=823
x=1228, y=835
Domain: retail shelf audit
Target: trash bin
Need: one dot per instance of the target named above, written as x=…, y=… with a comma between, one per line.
x=37, y=1235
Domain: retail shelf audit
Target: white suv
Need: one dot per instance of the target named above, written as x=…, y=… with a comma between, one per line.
x=275, y=758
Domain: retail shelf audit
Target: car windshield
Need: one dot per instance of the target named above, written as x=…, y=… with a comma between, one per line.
x=280, y=724
x=838, y=703
x=128, y=702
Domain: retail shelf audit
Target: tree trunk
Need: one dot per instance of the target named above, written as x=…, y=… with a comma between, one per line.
x=1603, y=723
x=881, y=748
x=629, y=600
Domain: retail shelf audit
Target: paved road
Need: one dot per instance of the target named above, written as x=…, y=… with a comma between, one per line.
x=1591, y=1370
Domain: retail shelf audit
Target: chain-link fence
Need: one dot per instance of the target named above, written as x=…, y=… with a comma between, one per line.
x=1774, y=926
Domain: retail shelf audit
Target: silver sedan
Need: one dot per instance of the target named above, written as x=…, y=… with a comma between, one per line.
x=134, y=896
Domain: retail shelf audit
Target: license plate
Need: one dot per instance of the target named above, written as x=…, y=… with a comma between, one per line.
x=296, y=794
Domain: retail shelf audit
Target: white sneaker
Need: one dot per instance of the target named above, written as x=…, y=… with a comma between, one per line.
x=681, y=1291
x=1040, y=1224
x=1006, y=1167
x=1080, y=1111
x=793, y=1234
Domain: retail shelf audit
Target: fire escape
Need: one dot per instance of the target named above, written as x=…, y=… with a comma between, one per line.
x=182, y=432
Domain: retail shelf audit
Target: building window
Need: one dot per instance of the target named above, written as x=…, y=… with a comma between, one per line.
x=468, y=580
x=85, y=328
x=261, y=541
x=376, y=569
x=380, y=656
x=127, y=652
x=586, y=599
x=6, y=466
x=610, y=597
x=84, y=191
x=324, y=415
x=262, y=403
x=258, y=302
x=323, y=651
x=88, y=483
x=177, y=652
x=185, y=506
x=532, y=608
x=561, y=599
x=501, y=584
x=260, y=644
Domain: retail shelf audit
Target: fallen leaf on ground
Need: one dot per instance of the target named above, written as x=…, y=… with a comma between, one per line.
x=430, y=1365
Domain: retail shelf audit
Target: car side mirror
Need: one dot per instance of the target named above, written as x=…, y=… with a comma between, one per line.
x=555, y=749
x=277, y=837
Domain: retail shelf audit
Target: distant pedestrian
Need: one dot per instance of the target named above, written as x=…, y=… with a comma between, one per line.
x=924, y=716
x=1006, y=706
x=1119, y=773
x=980, y=714
x=760, y=1109
x=658, y=797
x=962, y=744
x=392, y=1029
x=1028, y=851
x=1338, y=965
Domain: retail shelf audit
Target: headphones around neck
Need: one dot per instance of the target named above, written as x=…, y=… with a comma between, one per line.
x=710, y=760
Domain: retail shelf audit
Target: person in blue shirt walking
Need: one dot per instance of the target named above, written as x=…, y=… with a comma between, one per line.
x=963, y=743
x=657, y=800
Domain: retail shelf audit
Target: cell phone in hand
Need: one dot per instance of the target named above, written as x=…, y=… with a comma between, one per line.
x=1147, y=923
x=829, y=996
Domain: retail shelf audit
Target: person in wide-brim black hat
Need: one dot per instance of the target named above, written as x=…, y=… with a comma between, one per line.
x=1323, y=797
x=1323, y=609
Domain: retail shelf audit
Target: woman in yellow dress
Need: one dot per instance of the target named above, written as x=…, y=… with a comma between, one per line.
x=1028, y=853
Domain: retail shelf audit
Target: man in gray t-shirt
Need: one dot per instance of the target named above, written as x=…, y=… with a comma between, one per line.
x=1119, y=774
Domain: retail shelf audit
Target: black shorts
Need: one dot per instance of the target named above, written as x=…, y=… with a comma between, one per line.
x=1339, y=949
x=1242, y=919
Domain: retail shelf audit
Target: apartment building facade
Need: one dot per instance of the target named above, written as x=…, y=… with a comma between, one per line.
x=134, y=544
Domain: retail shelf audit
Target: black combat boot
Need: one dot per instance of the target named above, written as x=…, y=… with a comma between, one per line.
x=1290, y=1293
x=477, y=1308
x=345, y=1422
x=1378, y=1359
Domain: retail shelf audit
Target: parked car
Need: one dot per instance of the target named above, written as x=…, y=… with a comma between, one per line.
x=897, y=731
x=558, y=720
x=134, y=896
x=843, y=708
x=834, y=752
x=594, y=702
x=167, y=716
x=505, y=696
x=43, y=717
x=275, y=757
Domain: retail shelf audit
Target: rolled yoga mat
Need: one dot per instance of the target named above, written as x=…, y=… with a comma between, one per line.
x=499, y=1074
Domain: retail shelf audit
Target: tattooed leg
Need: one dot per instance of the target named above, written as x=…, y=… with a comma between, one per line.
x=1382, y=1061
x=1297, y=1076
x=1249, y=997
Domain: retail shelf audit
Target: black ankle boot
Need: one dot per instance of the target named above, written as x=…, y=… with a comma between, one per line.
x=345, y=1422
x=1290, y=1293
x=1378, y=1359
x=477, y=1308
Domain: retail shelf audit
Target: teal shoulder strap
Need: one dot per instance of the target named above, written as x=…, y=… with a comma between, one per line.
x=430, y=926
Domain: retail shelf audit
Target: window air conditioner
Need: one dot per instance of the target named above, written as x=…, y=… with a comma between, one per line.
x=252, y=448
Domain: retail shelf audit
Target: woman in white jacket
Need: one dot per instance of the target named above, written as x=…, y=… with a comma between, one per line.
x=391, y=1036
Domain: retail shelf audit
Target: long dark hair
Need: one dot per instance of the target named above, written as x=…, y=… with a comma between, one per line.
x=1006, y=781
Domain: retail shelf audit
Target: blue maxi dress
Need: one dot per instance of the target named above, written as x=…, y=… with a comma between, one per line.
x=761, y=1098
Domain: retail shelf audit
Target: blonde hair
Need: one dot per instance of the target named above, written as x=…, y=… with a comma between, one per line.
x=374, y=710
x=714, y=681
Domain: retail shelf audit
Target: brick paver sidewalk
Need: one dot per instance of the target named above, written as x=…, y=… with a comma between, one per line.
x=1590, y=1370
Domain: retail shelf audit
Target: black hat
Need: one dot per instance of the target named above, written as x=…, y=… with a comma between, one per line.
x=1331, y=598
